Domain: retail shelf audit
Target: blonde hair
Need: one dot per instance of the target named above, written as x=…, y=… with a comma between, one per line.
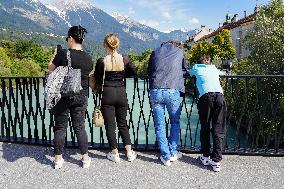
x=112, y=42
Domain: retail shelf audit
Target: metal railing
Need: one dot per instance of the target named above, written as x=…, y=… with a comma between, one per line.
x=255, y=118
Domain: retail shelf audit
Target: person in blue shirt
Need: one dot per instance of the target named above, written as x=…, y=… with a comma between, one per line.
x=211, y=107
x=165, y=71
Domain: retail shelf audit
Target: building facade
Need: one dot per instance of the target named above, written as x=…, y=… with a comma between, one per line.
x=239, y=29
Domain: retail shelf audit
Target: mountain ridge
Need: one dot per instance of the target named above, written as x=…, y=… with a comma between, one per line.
x=33, y=15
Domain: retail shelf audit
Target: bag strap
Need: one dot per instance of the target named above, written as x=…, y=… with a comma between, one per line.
x=103, y=82
x=69, y=58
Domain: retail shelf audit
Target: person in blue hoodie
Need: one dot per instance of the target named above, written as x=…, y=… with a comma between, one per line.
x=211, y=107
x=165, y=71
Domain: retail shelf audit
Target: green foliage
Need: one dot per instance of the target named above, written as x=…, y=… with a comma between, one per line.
x=5, y=64
x=220, y=48
x=245, y=66
x=4, y=58
x=26, y=68
x=23, y=58
x=266, y=39
x=4, y=72
x=47, y=41
x=30, y=50
x=223, y=46
x=199, y=49
x=141, y=61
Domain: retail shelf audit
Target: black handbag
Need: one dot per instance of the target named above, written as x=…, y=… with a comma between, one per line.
x=72, y=81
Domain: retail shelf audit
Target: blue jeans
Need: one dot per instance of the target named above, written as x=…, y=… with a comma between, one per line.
x=170, y=98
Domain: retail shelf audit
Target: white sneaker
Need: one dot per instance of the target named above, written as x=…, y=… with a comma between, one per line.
x=131, y=156
x=166, y=163
x=58, y=164
x=215, y=165
x=204, y=160
x=86, y=163
x=113, y=157
x=175, y=157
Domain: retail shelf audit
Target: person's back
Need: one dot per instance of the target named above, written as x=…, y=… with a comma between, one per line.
x=165, y=71
x=75, y=105
x=114, y=99
x=211, y=108
x=114, y=70
x=207, y=78
x=79, y=60
x=115, y=73
x=166, y=68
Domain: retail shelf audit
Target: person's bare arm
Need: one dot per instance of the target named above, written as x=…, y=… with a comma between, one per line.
x=51, y=66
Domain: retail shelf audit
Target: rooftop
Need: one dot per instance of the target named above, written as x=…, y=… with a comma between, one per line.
x=232, y=25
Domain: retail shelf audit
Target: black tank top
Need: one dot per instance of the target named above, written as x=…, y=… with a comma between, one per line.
x=114, y=78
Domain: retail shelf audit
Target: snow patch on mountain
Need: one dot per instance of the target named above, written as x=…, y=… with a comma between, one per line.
x=72, y=5
x=125, y=20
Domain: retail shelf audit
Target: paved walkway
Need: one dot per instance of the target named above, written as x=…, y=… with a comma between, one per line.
x=31, y=167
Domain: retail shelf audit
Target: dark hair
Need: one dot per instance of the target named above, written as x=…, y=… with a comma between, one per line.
x=77, y=33
x=204, y=57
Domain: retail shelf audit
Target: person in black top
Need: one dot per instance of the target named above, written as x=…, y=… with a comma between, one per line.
x=75, y=105
x=114, y=100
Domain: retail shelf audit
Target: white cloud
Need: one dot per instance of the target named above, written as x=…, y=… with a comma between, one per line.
x=131, y=10
x=166, y=15
x=153, y=23
x=193, y=21
x=143, y=22
x=150, y=23
x=168, y=9
x=166, y=22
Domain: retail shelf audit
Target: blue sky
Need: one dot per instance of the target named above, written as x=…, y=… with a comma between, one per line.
x=166, y=15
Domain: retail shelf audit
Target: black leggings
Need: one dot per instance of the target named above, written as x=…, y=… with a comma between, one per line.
x=114, y=110
x=76, y=106
x=212, y=107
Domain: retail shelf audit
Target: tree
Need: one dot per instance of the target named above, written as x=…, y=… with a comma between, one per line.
x=7, y=63
x=141, y=61
x=25, y=68
x=223, y=46
x=23, y=49
x=266, y=39
x=4, y=72
x=199, y=49
x=220, y=48
x=30, y=50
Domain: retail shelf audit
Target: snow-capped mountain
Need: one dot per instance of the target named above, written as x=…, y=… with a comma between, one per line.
x=147, y=33
x=181, y=34
x=127, y=21
x=57, y=17
x=30, y=15
x=136, y=29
